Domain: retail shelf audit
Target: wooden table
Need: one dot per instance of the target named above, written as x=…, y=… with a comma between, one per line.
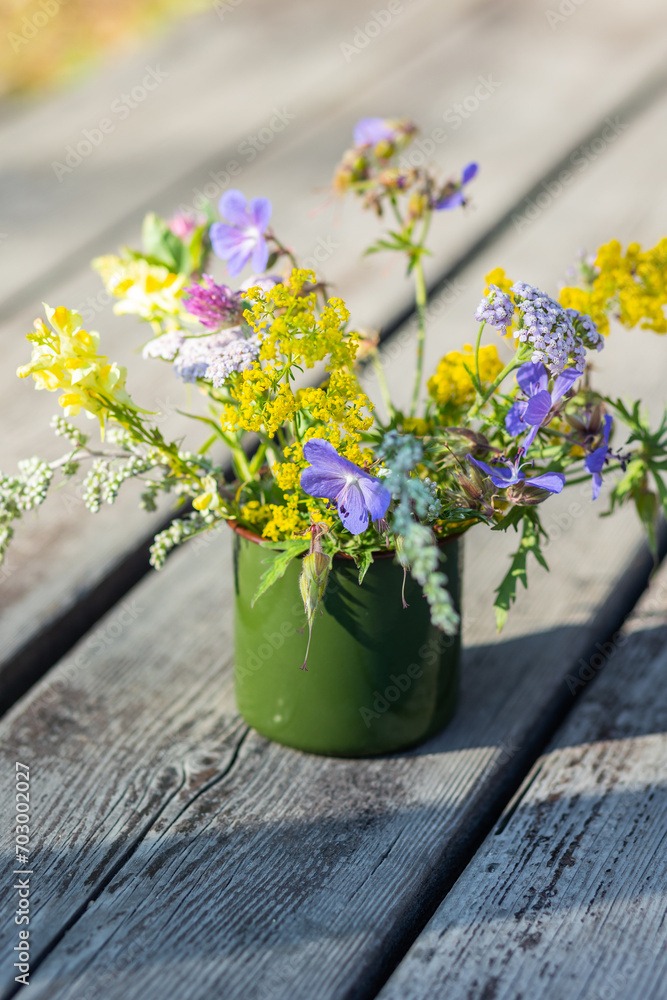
x=519, y=854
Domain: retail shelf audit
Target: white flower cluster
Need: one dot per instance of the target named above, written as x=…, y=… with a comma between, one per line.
x=179, y=531
x=104, y=480
x=63, y=428
x=557, y=335
x=212, y=357
x=21, y=493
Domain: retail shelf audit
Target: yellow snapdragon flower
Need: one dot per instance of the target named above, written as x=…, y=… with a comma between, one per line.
x=149, y=291
x=64, y=356
x=451, y=384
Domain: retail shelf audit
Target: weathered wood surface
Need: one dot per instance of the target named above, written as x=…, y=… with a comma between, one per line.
x=567, y=897
x=291, y=875
x=429, y=57
x=157, y=823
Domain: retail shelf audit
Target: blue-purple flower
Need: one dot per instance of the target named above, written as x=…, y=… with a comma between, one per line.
x=371, y=131
x=538, y=409
x=453, y=194
x=355, y=493
x=594, y=462
x=382, y=131
x=212, y=304
x=509, y=473
x=241, y=237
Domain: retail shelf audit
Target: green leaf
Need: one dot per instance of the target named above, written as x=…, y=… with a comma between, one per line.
x=363, y=560
x=279, y=564
x=647, y=508
x=530, y=542
x=160, y=243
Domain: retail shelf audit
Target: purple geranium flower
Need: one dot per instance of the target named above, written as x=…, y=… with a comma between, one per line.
x=243, y=239
x=453, y=195
x=594, y=462
x=371, y=131
x=355, y=493
x=508, y=473
x=537, y=410
x=212, y=304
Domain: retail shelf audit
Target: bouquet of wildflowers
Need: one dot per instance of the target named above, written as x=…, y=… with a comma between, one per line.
x=315, y=471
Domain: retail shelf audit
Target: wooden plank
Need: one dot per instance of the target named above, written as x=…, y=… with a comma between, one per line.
x=66, y=555
x=284, y=868
x=567, y=897
x=289, y=875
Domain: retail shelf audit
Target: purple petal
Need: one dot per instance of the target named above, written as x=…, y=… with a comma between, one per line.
x=563, y=382
x=597, y=485
x=500, y=475
x=482, y=465
x=551, y=481
x=317, y=451
x=514, y=423
x=232, y=207
x=608, y=421
x=531, y=376
x=452, y=200
x=469, y=172
x=239, y=258
x=376, y=496
x=260, y=255
x=595, y=461
x=321, y=484
x=538, y=408
x=352, y=508
x=371, y=131
x=225, y=239
x=260, y=213
x=530, y=437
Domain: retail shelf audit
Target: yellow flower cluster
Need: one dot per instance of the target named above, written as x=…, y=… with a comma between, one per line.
x=293, y=336
x=285, y=320
x=65, y=357
x=451, y=385
x=149, y=291
x=633, y=286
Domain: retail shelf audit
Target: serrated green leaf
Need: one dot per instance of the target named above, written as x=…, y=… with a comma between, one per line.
x=363, y=560
x=278, y=565
x=506, y=592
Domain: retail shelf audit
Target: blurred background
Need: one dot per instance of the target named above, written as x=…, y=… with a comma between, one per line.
x=562, y=102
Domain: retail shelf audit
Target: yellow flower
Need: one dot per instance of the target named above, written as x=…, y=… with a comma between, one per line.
x=65, y=357
x=147, y=290
x=416, y=425
x=451, y=385
x=499, y=278
x=631, y=287
x=209, y=499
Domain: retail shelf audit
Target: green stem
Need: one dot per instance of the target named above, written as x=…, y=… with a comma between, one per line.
x=241, y=467
x=516, y=362
x=382, y=383
x=420, y=300
x=479, y=341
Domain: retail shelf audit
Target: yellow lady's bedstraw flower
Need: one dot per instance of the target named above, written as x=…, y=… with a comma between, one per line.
x=65, y=357
x=631, y=287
